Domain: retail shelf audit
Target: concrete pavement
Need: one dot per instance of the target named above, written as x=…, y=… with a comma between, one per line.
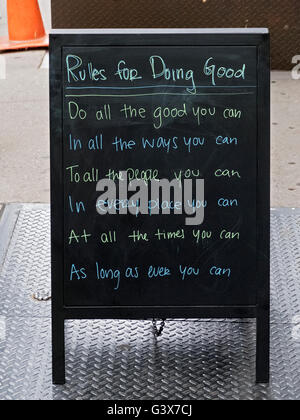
x=24, y=129
x=285, y=140
x=24, y=133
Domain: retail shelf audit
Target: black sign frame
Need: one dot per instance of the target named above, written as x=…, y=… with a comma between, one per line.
x=60, y=313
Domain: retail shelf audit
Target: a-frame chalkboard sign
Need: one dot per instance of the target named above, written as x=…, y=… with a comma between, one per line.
x=160, y=171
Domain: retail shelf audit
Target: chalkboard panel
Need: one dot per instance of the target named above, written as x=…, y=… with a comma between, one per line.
x=181, y=107
x=162, y=112
x=201, y=144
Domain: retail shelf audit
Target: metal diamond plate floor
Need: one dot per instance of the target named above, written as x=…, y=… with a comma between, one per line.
x=122, y=359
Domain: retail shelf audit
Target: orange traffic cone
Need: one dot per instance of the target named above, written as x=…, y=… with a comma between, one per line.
x=25, y=26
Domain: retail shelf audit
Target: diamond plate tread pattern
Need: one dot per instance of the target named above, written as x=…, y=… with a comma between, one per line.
x=285, y=266
x=122, y=360
x=27, y=265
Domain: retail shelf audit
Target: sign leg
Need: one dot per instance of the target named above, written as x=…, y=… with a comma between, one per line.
x=263, y=347
x=58, y=351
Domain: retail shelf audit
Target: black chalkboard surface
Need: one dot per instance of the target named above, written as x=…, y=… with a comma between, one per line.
x=128, y=110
